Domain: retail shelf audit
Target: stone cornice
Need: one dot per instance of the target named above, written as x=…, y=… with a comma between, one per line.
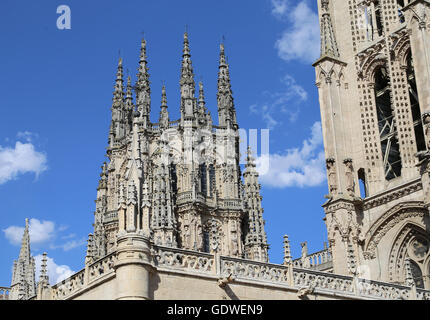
x=392, y=194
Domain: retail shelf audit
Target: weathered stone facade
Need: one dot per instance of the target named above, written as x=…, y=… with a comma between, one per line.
x=175, y=220
x=373, y=83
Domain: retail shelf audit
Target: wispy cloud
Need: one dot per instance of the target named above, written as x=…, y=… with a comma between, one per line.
x=56, y=272
x=301, y=39
x=20, y=159
x=282, y=104
x=40, y=232
x=296, y=167
x=45, y=233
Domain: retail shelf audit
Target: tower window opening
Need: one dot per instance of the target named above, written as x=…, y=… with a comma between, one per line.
x=386, y=124
x=378, y=18
x=362, y=183
x=400, y=5
x=415, y=105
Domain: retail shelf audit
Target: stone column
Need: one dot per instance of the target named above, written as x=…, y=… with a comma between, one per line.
x=417, y=13
x=133, y=266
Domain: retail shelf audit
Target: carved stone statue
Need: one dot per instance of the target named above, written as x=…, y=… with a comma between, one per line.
x=349, y=173
x=332, y=178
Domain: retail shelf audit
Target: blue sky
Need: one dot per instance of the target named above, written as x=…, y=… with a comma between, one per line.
x=56, y=91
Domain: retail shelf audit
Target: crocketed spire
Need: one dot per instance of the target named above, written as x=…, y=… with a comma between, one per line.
x=143, y=90
x=23, y=286
x=328, y=40
x=118, y=93
x=187, y=84
x=226, y=110
x=164, y=114
x=256, y=246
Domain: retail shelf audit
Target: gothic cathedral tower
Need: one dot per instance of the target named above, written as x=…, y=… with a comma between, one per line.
x=373, y=80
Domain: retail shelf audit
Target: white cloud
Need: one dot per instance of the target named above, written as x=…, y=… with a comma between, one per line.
x=300, y=41
x=39, y=232
x=23, y=158
x=56, y=272
x=69, y=245
x=279, y=7
x=284, y=101
x=43, y=232
x=304, y=167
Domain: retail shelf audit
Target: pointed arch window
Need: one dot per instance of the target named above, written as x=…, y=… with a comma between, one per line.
x=386, y=124
x=415, y=104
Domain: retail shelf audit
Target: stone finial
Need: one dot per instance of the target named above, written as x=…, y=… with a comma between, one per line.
x=287, y=251
x=44, y=278
x=329, y=46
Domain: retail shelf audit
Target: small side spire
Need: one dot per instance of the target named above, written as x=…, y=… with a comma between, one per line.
x=164, y=114
x=118, y=93
x=256, y=247
x=287, y=251
x=328, y=40
x=44, y=278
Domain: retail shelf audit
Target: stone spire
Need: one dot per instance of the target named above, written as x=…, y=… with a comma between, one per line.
x=164, y=114
x=226, y=110
x=202, y=106
x=118, y=93
x=118, y=125
x=187, y=84
x=143, y=90
x=256, y=247
x=328, y=40
x=23, y=285
x=287, y=251
x=89, y=258
x=163, y=222
x=44, y=278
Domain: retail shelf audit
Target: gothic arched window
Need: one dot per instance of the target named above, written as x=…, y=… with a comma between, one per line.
x=386, y=125
x=415, y=104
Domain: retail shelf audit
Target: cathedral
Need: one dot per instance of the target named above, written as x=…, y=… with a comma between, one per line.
x=176, y=218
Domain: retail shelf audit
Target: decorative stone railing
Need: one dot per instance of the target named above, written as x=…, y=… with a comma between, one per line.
x=184, y=260
x=423, y=294
x=4, y=293
x=323, y=280
x=320, y=260
x=110, y=216
x=230, y=203
x=382, y=290
x=167, y=259
x=184, y=197
x=84, y=278
x=254, y=270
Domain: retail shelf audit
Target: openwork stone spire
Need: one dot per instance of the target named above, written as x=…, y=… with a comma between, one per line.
x=164, y=114
x=287, y=251
x=328, y=40
x=256, y=246
x=44, y=278
x=23, y=285
x=187, y=84
x=226, y=110
x=118, y=93
x=143, y=90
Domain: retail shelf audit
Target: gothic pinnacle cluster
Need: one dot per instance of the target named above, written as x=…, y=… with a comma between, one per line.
x=177, y=182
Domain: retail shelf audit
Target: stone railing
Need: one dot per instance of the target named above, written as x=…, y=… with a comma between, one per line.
x=320, y=260
x=305, y=278
x=423, y=294
x=184, y=197
x=382, y=290
x=174, y=123
x=82, y=279
x=253, y=270
x=230, y=204
x=286, y=276
x=110, y=216
x=4, y=293
x=184, y=260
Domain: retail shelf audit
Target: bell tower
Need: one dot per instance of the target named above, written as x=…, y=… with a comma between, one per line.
x=373, y=78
